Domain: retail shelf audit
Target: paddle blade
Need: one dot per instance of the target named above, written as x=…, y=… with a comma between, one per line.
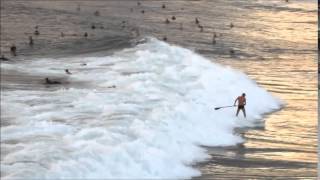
x=216, y=108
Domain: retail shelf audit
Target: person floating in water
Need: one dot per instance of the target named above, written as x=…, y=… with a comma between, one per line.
x=241, y=103
x=214, y=40
x=36, y=32
x=214, y=34
x=197, y=21
x=165, y=38
x=13, y=50
x=30, y=41
x=201, y=28
x=97, y=13
x=231, y=51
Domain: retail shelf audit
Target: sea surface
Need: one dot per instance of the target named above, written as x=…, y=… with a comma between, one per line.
x=136, y=106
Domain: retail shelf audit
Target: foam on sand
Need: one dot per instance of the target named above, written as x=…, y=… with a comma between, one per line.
x=150, y=126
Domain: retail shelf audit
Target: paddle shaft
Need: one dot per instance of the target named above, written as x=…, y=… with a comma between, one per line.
x=223, y=107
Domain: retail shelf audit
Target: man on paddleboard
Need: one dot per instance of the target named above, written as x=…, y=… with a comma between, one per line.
x=241, y=103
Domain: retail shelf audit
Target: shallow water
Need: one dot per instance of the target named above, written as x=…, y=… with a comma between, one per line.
x=286, y=146
x=273, y=42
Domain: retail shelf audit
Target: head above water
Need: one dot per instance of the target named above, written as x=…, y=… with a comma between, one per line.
x=243, y=94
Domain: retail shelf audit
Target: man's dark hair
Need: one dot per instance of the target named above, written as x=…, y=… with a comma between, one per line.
x=243, y=94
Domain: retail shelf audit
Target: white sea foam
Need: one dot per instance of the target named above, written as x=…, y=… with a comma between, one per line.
x=150, y=126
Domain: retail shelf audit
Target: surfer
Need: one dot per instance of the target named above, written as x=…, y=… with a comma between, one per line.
x=113, y=86
x=241, y=103
x=48, y=81
x=2, y=58
x=67, y=71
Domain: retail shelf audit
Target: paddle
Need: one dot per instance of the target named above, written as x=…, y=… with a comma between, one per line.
x=223, y=107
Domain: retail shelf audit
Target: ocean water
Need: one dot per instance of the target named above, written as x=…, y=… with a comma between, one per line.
x=147, y=109
x=160, y=110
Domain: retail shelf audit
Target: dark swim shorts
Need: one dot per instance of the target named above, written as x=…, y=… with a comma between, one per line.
x=241, y=107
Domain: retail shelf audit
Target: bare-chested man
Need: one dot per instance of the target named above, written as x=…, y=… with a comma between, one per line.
x=241, y=103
